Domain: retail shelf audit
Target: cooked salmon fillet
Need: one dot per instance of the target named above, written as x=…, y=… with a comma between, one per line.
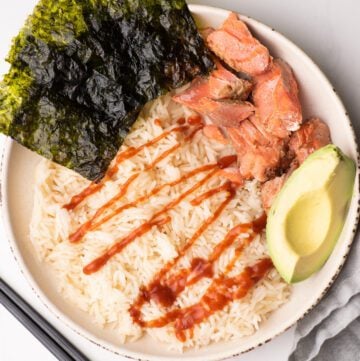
x=220, y=97
x=216, y=133
x=312, y=135
x=270, y=189
x=258, y=157
x=225, y=84
x=263, y=137
x=227, y=112
x=234, y=44
x=276, y=97
x=268, y=134
x=221, y=84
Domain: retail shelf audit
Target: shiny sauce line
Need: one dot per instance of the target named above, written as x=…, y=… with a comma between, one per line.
x=81, y=231
x=93, y=224
x=85, y=227
x=121, y=157
x=165, y=291
x=99, y=262
x=222, y=291
x=253, y=229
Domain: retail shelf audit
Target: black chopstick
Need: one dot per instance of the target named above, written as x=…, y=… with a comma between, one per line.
x=52, y=339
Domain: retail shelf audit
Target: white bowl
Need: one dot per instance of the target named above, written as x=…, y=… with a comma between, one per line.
x=318, y=98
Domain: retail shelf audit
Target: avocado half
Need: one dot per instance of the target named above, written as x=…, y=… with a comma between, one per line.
x=309, y=213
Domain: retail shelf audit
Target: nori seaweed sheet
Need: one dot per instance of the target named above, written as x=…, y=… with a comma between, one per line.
x=81, y=71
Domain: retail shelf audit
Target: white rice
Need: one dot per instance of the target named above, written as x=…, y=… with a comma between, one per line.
x=107, y=294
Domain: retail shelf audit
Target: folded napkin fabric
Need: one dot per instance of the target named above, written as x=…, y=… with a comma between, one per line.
x=331, y=331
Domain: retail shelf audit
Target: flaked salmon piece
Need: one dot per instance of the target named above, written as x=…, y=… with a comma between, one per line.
x=255, y=121
x=312, y=135
x=194, y=95
x=233, y=175
x=229, y=113
x=257, y=157
x=241, y=56
x=221, y=72
x=270, y=189
x=260, y=163
x=225, y=84
x=255, y=135
x=238, y=140
x=221, y=84
x=223, y=112
x=276, y=97
x=234, y=44
x=222, y=89
x=249, y=135
x=213, y=97
x=215, y=132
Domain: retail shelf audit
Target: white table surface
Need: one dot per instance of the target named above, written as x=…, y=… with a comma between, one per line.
x=328, y=30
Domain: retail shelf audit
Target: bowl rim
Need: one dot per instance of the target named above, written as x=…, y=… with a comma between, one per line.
x=6, y=149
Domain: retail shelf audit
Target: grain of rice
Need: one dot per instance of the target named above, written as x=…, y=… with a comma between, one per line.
x=107, y=294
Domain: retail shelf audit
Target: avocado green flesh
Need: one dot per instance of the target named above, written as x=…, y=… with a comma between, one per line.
x=308, y=215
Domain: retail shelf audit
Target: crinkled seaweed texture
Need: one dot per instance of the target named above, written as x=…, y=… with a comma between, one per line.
x=82, y=70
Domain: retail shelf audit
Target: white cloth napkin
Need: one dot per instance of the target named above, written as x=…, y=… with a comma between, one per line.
x=331, y=332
